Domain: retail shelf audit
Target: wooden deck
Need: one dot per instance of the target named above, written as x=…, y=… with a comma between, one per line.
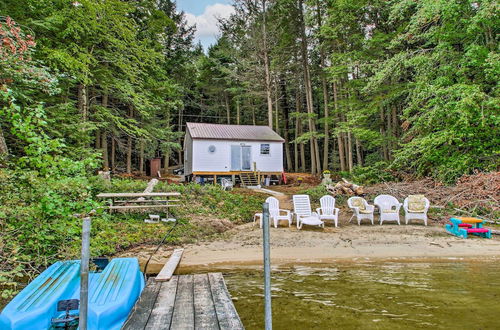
x=199, y=301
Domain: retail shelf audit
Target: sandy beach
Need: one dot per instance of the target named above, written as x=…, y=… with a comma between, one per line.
x=242, y=245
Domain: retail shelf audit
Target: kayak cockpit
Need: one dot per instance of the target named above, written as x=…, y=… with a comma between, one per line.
x=49, y=300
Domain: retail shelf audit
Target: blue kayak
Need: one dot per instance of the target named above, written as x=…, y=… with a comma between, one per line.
x=112, y=294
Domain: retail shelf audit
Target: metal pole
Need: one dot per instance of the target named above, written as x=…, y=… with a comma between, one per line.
x=267, y=267
x=84, y=274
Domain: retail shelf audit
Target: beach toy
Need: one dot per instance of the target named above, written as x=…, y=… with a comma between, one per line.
x=462, y=226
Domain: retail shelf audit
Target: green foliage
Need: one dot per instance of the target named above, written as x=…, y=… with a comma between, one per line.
x=38, y=227
x=211, y=201
x=365, y=175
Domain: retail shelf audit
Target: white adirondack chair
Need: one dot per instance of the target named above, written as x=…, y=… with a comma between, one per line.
x=276, y=214
x=361, y=209
x=416, y=207
x=328, y=211
x=388, y=207
x=303, y=213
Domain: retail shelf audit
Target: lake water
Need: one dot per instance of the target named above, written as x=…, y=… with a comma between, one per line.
x=446, y=294
x=401, y=294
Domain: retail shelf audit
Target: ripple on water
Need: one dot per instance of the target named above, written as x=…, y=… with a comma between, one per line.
x=395, y=295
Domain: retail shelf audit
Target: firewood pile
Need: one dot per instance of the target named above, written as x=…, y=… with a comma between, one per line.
x=345, y=187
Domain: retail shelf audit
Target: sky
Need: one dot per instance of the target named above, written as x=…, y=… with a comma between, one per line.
x=204, y=14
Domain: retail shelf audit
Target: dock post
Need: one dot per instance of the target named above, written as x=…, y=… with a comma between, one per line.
x=267, y=267
x=84, y=274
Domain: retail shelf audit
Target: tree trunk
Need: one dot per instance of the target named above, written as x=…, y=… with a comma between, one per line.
x=83, y=101
x=113, y=152
x=104, y=137
x=340, y=140
x=298, y=97
x=390, y=133
x=349, y=148
x=296, y=146
x=266, y=67
x=83, y=109
x=286, y=119
x=237, y=112
x=98, y=139
x=129, y=143
x=141, y=156
x=253, y=114
x=179, y=129
x=129, y=154
x=167, y=159
x=359, y=156
x=276, y=109
x=228, y=108
x=395, y=121
x=326, y=97
x=315, y=162
x=4, y=151
x=105, y=157
x=385, y=152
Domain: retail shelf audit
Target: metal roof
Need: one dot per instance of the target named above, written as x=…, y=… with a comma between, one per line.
x=232, y=132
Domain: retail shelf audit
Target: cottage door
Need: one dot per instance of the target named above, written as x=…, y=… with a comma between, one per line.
x=246, y=158
x=235, y=158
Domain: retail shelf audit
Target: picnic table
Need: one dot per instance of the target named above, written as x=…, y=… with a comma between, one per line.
x=461, y=226
x=130, y=201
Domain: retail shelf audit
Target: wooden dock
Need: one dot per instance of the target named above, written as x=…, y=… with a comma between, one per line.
x=199, y=301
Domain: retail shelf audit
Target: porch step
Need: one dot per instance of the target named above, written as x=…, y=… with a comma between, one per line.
x=249, y=179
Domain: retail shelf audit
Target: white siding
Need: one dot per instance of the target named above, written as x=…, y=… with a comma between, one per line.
x=220, y=160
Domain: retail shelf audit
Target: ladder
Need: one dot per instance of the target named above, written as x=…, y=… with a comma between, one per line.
x=248, y=179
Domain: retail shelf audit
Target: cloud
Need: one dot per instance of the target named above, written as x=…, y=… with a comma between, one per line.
x=206, y=23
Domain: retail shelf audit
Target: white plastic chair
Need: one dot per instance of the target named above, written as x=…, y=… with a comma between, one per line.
x=226, y=184
x=416, y=214
x=388, y=207
x=275, y=213
x=328, y=211
x=361, y=213
x=302, y=210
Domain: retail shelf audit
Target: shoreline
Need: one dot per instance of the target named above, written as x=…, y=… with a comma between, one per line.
x=241, y=247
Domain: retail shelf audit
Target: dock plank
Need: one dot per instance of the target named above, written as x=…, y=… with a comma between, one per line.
x=226, y=313
x=205, y=316
x=161, y=316
x=168, y=270
x=138, y=317
x=183, y=317
x=186, y=302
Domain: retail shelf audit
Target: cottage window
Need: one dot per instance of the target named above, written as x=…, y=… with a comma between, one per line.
x=265, y=149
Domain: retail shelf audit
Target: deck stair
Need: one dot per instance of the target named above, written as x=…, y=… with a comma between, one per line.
x=248, y=179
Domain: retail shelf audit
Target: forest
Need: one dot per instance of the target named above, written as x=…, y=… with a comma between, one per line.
x=378, y=89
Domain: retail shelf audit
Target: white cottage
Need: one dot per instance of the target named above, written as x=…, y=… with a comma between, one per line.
x=213, y=150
